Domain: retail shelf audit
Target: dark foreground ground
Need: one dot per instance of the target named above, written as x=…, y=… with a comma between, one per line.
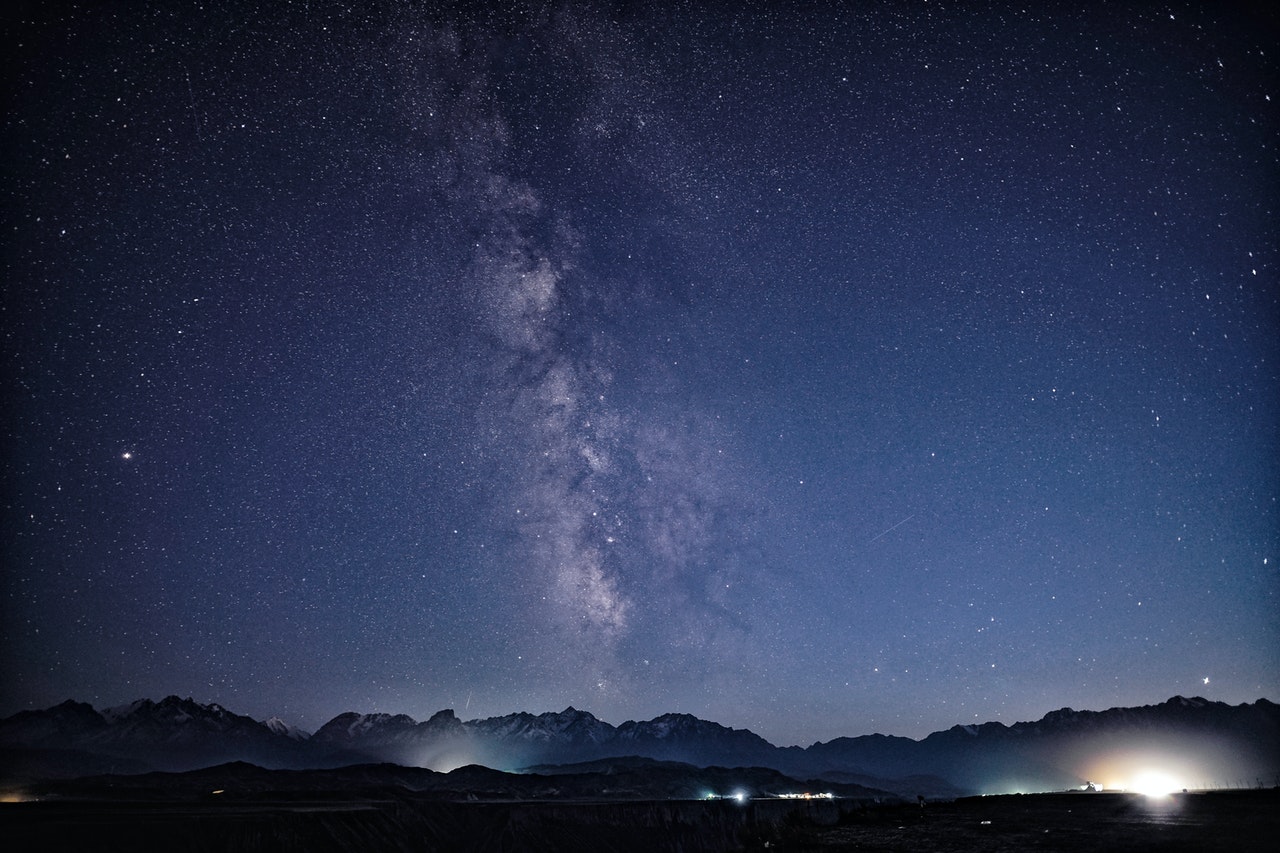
x=1220, y=821
x=1215, y=821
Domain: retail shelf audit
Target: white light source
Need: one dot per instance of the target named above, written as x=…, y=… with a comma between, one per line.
x=1153, y=783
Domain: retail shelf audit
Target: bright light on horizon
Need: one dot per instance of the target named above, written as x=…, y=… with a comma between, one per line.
x=1154, y=783
x=1155, y=771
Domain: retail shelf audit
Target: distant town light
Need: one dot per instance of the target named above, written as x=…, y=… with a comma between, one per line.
x=1155, y=784
x=826, y=795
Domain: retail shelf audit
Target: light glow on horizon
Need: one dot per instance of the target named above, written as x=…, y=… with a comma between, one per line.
x=1156, y=770
x=1155, y=783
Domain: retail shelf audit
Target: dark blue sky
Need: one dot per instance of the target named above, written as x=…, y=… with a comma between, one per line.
x=817, y=373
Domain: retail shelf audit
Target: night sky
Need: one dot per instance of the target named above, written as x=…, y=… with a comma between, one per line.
x=819, y=373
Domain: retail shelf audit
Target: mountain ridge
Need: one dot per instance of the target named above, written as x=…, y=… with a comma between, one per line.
x=182, y=734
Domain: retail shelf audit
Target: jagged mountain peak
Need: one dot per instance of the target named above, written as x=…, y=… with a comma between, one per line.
x=354, y=725
x=445, y=716
x=119, y=712
x=1062, y=713
x=171, y=707
x=679, y=725
x=280, y=727
x=678, y=718
x=61, y=726
x=71, y=708
x=176, y=732
x=562, y=727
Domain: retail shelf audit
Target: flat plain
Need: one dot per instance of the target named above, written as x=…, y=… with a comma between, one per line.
x=1242, y=820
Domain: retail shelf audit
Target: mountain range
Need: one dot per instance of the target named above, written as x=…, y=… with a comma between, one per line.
x=1210, y=744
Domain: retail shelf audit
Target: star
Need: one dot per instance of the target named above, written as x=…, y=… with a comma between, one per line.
x=581, y=365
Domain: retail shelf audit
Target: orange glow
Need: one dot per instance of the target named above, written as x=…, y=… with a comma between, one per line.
x=1156, y=773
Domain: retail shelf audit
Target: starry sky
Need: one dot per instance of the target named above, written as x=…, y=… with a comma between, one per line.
x=814, y=369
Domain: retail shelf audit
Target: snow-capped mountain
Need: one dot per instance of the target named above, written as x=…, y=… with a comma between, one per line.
x=1228, y=744
x=1223, y=743
x=567, y=726
x=382, y=728
x=509, y=741
x=440, y=741
x=280, y=727
x=673, y=735
x=177, y=721
x=172, y=734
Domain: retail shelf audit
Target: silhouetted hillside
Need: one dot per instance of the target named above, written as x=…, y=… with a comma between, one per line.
x=1221, y=744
